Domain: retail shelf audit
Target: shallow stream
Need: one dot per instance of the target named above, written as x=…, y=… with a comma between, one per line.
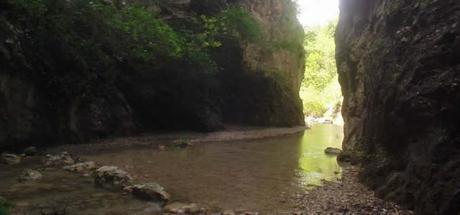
x=258, y=175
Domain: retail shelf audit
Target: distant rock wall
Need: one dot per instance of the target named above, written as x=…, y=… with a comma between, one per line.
x=272, y=71
x=399, y=67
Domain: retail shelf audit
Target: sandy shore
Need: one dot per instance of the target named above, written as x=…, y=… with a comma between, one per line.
x=146, y=140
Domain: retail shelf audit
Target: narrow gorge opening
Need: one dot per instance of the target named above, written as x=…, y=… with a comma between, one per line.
x=194, y=107
x=320, y=90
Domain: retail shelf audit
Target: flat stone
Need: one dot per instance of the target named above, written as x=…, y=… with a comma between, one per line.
x=112, y=177
x=10, y=159
x=30, y=175
x=150, y=192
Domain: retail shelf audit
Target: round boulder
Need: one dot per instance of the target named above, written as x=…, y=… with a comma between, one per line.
x=111, y=177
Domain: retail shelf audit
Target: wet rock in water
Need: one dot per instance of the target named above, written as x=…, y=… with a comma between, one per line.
x=111, y=177
x=52, y=208
x=150, y=192
x=10, y=159
x=81, y=167
x=332, y=151
x=30, y=175
x=238, y=212
x=152, y=208
x=162, y=147
x=229, y=212
x=183, y=208
x=30, y=151
x=184, y=144
x=58, y=160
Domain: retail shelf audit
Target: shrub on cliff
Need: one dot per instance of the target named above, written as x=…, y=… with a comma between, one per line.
x=87, y=49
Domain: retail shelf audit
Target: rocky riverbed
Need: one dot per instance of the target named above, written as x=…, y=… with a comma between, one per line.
x=64, y=192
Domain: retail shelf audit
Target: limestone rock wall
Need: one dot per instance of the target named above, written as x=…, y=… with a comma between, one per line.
x=272, y=69
x=47, y=95
x=399, y=67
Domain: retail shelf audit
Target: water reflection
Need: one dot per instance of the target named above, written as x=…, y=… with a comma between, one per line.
x=314, y=165
x=255, y=174
x=260, y=175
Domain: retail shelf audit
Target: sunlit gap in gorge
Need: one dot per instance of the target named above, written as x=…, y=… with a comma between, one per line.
x=320, y=92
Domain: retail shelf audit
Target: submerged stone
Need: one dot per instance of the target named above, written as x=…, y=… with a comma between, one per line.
x=183, y=208
x=332, y=151
x=30, y=175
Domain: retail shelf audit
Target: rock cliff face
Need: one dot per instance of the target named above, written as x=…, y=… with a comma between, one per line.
x=272, y=71
x=399, y=67
x=51, y=93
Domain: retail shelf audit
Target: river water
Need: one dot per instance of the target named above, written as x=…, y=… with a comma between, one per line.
x=258, y=175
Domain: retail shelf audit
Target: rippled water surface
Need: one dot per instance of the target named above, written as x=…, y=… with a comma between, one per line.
x=258, y=175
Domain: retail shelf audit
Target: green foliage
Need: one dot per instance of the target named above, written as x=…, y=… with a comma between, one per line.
x=320, y=60
x=239, y=21
x=320, y=88
x=235, y=22
x=163, y=67
x=317, y=101
x=4, y=206
x=132, y=31
x=3, y=211
x=34, y=8
x=149, y=36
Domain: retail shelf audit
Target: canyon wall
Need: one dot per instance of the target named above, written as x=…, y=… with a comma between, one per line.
x=399, y=67
x=71, y=71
